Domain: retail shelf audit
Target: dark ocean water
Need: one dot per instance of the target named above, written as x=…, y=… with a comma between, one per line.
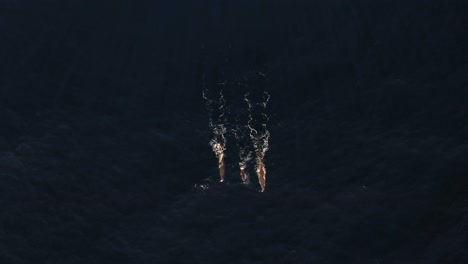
x=104, y=132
